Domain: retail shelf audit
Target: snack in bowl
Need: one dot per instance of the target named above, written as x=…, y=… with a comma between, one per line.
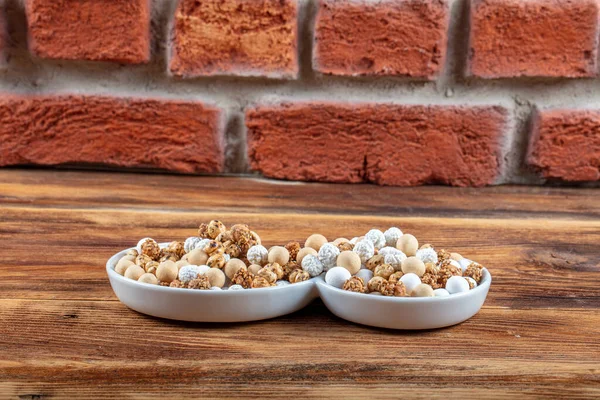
x=363, y=280
x=219, y=257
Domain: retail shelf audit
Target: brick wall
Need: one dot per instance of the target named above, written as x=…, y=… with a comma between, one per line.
x=393, y=92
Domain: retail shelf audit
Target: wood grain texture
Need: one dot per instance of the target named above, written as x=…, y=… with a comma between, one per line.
x=76, y=189
x=63, y=333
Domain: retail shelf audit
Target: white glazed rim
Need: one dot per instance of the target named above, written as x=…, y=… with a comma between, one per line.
x=112, y=262
x=484, y=285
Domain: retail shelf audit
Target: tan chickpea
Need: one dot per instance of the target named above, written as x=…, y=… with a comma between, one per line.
x=167, y=271
x=182, y=263
x=216, y=277
x=408, y=244
x=148, y=278
x=304, y=252
x=233, y=266
x=134, y=272
x=315, y=241
x=422, y=290
x=279, y=255
x=197, y=257
x=414, y=265
x=122, y=265
x=349, y=260
x=254, y=268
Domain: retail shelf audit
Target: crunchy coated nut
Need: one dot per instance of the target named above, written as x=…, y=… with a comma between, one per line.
x=383, y=270
x=268, y=273
x=345, y=246
x=298, y=275
x=214, y=247
x=151, y=249
x=132, y=252
x=151, y=267
x=474, y=271
x=233, y=250
x=375, y=261
x=167, y=255
x=176, y=248
x=176, y=284
x=243, y=278
x=400, y=289
x=443, y=255
x=431, y=268
x=255, y=237
x=355, y=284
x=396, y=289
x=245, y=244
x=201, y=283
x=215, y=228
x=224, y=237
x=289, y=267
x=376, y=283
x=239, y=231
x=395, y=277
x=278, y=269
x=142, y=260
x=216, y=261
x=203, y=231
x=431, y=280
x=293, y=248
x=446, y=271
x=260, y=282
x=471, y=281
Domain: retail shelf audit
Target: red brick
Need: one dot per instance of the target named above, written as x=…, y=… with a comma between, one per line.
x=386, y=144
x=403, y=37
x=97, y=30
x=49, y=130
x=544, y=38
x=235, y=37
x=565, y=144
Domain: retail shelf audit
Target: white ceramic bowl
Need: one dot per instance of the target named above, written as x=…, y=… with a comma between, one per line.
x=264, y=303
x=209, y=305
x=405, y=312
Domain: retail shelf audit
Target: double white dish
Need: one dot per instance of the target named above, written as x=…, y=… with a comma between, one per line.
x=257, y=304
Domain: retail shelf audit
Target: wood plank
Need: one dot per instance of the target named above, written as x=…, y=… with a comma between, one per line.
x=76, y=189
x=60, y=253
x=101, y=349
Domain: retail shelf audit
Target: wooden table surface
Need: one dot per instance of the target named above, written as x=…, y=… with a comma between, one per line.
x=63, y=333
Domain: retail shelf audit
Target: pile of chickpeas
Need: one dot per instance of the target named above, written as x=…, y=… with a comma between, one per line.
x=388, y=263
x=217, y=258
